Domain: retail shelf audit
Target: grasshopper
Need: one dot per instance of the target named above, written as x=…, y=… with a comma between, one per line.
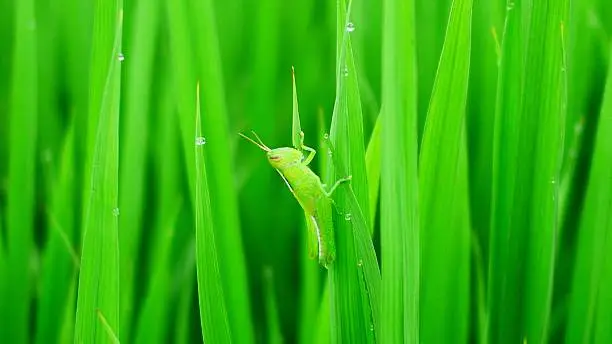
x=310, y=193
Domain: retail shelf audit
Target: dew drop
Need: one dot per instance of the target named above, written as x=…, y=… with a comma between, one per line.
x=115, y=211
x=350, y=27
x=510, y=6
x=360, y=262
x=329, y=152
x=121, y=58
x=345, y=71
x=347, y=216
x=326, y=136
x=200, y=141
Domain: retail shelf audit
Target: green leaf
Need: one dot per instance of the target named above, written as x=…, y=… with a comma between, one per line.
x=400, y=243
x=20, y=198
x=60, y=262
x=528, y=147
x=134, y=140
x=373, y=167
x=443, y=191
x=274, y=333
x=354, y=292
x=296, y=128
x=215, y=128
x=213, y=316
x=591, y=295
x=98, y=291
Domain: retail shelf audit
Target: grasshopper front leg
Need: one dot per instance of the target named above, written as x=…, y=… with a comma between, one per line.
x=311, y=151
x=338, y=182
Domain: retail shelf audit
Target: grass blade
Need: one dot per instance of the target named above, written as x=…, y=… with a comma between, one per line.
x=215, y=127
x=98, y=291
x=296, y=128
x=353, y=291
x=443, y=196
x=590, y=296
x=373, y=167
x=213, y=316
x=21, y=175
x=400, y=243
x=135, y=122
x=527, y=153
x=60, y=263
x=275, y=335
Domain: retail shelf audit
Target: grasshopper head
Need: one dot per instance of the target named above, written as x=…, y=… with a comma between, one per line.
x=282, y=157
x=278, y=157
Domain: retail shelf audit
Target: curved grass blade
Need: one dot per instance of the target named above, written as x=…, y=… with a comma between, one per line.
x=21, y=176
x=528, y=147
x=275, y=335
x=59, y=264
x=213, y=316
x=99, y=274
x=215, y=127
x=590, y=301
x=296, y=128
x=399, y=227
x=373, y=167
x=135, y=121
x=355, y=276
x=443, y=194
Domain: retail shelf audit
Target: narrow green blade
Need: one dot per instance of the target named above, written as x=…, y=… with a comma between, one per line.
x=215, y=126
x=213, y=316
x=443, y=196
x=134, y=140
x=528, y=147
x=590, y=301
x=296, y=128
x=353, y=292
x=400, y=243
x=21, y=176
x=373, y=169
x=274, y=333
x=60, y=262
x=98, y=293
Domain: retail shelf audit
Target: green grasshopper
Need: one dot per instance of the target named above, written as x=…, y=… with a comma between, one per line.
x=306, y=186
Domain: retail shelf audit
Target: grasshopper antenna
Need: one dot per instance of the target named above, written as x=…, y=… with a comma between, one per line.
x=260, y=144
x=260, y=141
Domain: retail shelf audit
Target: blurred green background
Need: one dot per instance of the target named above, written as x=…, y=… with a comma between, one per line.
x=55, y=76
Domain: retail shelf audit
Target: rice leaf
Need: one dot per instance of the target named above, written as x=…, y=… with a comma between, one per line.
x=590, y=302
x=213, y=316
x=156, y=310
x=400, y=243
x=443, y=195
x=373, y=167
x=59, y=262
x=20, y=198
x=215, y=128
x=528, y=147
x=274, y=333
x=355, y=276
x=135, y=124
x=296, y=128
x=98, y=291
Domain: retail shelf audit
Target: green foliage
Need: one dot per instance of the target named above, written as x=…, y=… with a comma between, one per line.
x=477, y=134
x=97, y=308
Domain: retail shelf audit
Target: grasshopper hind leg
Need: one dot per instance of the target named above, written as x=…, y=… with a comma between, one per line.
x=312, y=237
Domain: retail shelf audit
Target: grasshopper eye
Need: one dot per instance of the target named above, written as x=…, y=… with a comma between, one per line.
x=275, y=157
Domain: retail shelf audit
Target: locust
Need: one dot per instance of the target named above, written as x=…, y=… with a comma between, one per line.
x=310, y=193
